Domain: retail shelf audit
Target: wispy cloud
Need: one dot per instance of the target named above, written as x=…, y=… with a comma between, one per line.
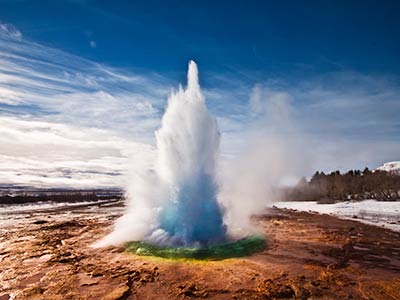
x=52, y=154
x=10, y=31
x=69, y=121
x=71, y=89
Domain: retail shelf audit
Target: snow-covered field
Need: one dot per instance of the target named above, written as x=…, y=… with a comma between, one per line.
x=16, y=213
x=43, y=206
x=380, y=213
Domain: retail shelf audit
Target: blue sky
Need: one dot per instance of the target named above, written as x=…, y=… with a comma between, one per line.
x=83, y=84
x=264, y=37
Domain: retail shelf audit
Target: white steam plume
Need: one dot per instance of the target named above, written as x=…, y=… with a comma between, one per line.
x=273, y=155
x=175, y=203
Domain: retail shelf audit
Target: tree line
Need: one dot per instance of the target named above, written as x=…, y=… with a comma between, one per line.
x=352, y=185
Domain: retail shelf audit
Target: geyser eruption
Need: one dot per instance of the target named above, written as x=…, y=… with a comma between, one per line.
x=188, y=143
x=175, y=203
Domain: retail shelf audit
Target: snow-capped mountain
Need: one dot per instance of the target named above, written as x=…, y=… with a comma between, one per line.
x=392, y=167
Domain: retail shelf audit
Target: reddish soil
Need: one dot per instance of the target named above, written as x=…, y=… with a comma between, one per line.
x=309, y=256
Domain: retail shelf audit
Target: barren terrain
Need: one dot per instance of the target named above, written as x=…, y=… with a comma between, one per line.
x=46, y=255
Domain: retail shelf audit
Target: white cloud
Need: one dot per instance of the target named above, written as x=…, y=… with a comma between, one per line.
x=35, y=79
x=10, y=31
x=63, y=116
x=67, y=121
x=46, y=154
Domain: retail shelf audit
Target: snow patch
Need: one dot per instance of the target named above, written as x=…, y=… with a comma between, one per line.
x=380, y=213
x=391, y=167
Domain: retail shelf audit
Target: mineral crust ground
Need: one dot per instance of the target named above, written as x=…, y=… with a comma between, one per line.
x=47, y=255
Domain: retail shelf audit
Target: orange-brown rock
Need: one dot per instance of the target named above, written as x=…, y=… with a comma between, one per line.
x=309, y=256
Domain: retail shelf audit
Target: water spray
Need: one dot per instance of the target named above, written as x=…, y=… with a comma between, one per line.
x=173, y=209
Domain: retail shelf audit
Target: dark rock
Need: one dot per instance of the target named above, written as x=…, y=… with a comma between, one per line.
x=39, y=222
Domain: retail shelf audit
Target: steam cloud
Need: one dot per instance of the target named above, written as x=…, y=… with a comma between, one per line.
x=275, y=153
x=175, y=203
x=186, y=198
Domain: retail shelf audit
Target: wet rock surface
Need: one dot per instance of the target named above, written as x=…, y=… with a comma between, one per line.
x=309, y=256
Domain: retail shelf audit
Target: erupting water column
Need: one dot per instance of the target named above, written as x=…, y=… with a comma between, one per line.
x=172, y=208
x=188, y=144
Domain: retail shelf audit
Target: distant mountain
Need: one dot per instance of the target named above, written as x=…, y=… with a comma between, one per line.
x=391, y=167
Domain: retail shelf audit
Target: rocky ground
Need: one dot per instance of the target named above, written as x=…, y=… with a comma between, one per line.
x=46, y=255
